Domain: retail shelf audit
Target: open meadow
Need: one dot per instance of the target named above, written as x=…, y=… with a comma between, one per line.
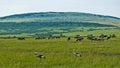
x=58, y=52
x=60, y=34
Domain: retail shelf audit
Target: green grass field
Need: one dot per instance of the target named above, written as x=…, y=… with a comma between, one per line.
x=95, y=54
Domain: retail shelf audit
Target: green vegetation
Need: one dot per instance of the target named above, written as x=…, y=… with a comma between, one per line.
x=56, y=23
x=95, y=54
x=66, y=31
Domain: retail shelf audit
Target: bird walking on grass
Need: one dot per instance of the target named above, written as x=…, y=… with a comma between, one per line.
x=39, y=55
x=76, y=53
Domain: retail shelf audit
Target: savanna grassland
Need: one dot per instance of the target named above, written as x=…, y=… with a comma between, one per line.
x=58, y=52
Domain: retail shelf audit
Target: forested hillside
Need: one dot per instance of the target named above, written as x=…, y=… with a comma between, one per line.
x=45, y=23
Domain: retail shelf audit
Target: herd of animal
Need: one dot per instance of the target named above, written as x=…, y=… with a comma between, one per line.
x=102, y=37
x=91, y=37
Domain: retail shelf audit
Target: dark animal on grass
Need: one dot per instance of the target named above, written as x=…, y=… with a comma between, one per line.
x=21, y=38
x=108, y=37
x=91, y=37
x=68, y=38
x=113, y=35
x=102, y=36
x=95, y=38
x=79, y=38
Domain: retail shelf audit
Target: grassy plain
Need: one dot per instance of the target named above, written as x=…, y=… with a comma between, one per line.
x=95, y=54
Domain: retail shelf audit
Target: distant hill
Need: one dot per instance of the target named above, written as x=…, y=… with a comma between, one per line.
x=46, y=22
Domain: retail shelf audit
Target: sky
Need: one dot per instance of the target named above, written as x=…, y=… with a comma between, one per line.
x=102, y=7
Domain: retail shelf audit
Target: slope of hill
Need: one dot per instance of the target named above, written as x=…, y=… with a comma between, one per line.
x=55, y=23
x=61, y=17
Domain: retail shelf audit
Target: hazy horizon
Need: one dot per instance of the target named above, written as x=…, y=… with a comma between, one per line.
x=102, y=7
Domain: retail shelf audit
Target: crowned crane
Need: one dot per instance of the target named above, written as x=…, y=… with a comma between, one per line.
x=76, y=53
x=39, y=55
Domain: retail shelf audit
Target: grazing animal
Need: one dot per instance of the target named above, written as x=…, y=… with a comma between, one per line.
x=76, y=53
x=95, y=38
x=21, y=38
x=102, y=36
x=113, y=35
x=90, y=37
x=79, y=38
x=40, y=55
x=108, y=37
x=68, y=38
